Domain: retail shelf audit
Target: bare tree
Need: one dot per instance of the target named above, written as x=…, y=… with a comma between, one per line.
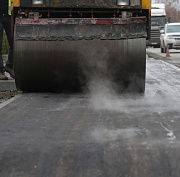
x=172, y=9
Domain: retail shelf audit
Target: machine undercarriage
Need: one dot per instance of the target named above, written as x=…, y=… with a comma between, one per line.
x=59, y=49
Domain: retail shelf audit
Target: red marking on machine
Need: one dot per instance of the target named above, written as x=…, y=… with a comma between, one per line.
x=104, y=21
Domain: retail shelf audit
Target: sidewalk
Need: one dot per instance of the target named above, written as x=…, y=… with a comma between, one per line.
x=7, y=85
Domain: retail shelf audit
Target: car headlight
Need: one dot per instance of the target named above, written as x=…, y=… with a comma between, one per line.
x=123, y=2
x=37, y=2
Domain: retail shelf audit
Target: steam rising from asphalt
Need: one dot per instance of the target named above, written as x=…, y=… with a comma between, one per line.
x=102, y=135
x=162, y=92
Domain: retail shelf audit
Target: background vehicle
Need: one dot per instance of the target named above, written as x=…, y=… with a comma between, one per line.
x=170, y=36
x=62, y=45
x=158, y=20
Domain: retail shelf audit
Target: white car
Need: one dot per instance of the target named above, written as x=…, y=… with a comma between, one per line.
x=170, y=36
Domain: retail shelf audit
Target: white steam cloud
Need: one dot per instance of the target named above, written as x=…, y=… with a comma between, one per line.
x=162, y=92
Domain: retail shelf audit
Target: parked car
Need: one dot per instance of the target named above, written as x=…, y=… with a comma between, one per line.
x=170, y=36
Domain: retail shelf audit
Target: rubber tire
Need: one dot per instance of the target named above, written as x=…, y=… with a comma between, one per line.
x=162, y=49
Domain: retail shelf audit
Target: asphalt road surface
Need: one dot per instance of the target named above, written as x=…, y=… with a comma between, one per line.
x=99, y=134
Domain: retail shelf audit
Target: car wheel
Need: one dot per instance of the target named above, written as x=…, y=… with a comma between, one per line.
x=156, y=46
x=165, y=49
x=162, y=50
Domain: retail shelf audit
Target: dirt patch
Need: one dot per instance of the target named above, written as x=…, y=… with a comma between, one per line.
x=4, y=96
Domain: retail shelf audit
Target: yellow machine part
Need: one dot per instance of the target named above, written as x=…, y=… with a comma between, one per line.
x=15, y=3
x=146, y=4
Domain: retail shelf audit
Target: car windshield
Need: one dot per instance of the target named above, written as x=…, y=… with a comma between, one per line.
x=173, y=29
x=158, y=21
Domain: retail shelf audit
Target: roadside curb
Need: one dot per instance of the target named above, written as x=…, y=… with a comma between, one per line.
x=7, y=85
